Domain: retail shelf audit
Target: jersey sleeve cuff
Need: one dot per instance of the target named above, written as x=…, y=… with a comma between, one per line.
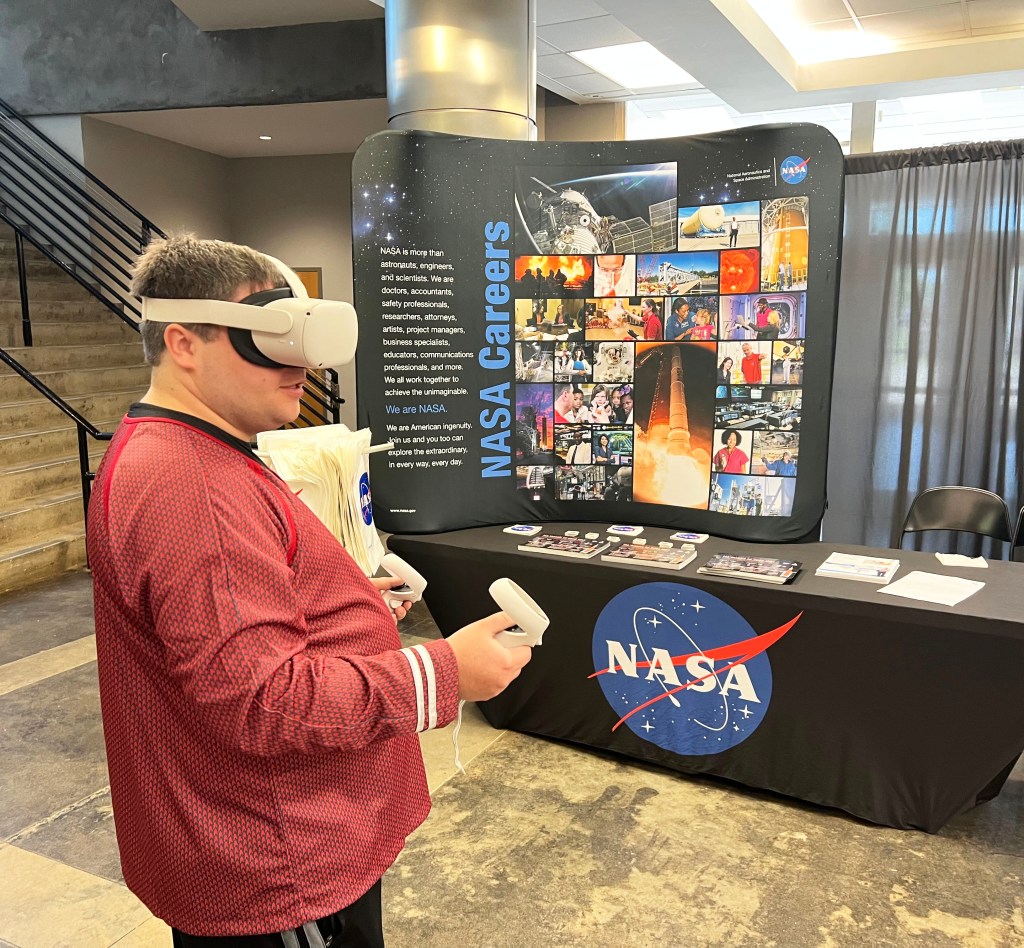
x=435, y=678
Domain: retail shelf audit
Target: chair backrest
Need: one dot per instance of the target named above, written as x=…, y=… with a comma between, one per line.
x=966, y=509
x=1017, y=552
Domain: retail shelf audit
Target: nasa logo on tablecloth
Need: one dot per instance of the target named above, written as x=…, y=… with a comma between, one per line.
x=682, y=669
x=365, y=505
x=793, y=169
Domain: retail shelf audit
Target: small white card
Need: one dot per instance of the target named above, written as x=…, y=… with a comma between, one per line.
x=958, y=559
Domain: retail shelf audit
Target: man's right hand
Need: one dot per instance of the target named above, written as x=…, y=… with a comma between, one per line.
x=486, y=668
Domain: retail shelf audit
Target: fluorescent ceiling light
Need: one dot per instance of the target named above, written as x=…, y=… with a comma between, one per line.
x=265, y=138
x=634, y=66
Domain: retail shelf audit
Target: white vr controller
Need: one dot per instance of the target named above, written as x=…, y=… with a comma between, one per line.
x=530, y=619
x=413, y=583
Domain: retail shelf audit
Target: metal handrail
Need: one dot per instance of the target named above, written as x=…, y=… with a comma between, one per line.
x=68, y=214
x=7, y=111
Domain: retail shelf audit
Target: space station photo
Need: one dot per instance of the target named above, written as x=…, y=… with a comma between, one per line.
x=659, y=348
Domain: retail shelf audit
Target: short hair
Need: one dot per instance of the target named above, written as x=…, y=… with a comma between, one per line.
x=729, y=431
x=679, y=303
x=186, y=267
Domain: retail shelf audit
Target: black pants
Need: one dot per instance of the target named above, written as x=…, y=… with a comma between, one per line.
x=357, y=926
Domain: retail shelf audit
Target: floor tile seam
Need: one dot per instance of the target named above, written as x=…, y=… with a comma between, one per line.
x=499, y=736
x=9, y=672
x=32, y=828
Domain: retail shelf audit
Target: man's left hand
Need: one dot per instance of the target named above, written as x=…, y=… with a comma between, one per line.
x=390, y=582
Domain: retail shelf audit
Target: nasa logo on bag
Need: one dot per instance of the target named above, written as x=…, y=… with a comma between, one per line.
x=682, y=669
x=365, y=505
x=794, y=169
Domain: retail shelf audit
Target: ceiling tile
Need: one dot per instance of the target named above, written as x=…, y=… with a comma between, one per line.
x=990, y=14
x=546, y=49
x=918, y=26
x=560, y=65
x=593, y=84
x=565, y=11
x=879, y=7
x=814, y=11
x=587, y=34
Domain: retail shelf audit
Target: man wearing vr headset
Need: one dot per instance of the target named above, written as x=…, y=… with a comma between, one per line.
x=259, y=712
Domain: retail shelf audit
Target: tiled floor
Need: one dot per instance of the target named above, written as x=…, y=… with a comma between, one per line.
x=537, y=844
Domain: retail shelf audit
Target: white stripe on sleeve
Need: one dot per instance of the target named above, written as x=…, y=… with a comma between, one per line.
x=428, y=669
x=417, y=680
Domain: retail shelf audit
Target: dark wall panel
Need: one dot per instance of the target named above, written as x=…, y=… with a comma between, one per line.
x=70, y=56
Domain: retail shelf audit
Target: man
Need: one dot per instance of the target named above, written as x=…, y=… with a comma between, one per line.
x=260, y=715
x=786, y=467
x=564, y=403
x=750, y=365
x=578, y=453
x=734, y=231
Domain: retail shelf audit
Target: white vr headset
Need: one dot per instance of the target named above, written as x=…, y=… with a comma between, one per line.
x=273, y=328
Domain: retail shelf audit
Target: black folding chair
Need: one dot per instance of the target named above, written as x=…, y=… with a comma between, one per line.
x=1017, y=549
x=961, y=509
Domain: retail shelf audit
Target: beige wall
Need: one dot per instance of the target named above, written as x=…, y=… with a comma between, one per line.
x=300, y=210
x=600, y=122
x=177, y=187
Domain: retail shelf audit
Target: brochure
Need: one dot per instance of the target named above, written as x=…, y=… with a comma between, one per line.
x=760, y=569
x=656, y=556
x=863, y=569
x=558, y=545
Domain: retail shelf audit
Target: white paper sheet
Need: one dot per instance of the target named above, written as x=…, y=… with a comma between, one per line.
x=931, y=587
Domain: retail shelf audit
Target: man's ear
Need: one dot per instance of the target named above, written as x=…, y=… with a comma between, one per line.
x=181, y=345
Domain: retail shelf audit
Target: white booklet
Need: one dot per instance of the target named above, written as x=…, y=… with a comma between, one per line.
x=863, y=569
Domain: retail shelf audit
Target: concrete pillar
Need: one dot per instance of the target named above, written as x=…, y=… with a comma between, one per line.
x=467, y=67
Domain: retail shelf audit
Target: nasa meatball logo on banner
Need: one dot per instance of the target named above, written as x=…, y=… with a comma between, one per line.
x=682, y=669
x=794, y=169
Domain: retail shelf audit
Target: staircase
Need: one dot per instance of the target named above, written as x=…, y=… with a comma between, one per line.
x=84, y=353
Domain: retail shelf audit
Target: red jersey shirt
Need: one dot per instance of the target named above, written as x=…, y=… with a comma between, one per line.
x=260, y=716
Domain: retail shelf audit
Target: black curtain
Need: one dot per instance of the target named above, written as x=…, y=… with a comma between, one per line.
x=931, y=329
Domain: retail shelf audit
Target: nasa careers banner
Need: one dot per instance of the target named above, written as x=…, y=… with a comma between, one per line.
x=639, y=332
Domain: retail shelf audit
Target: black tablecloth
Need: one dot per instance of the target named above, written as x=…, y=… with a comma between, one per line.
x=900, y=712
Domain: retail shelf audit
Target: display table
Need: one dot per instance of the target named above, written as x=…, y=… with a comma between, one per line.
x=900, y=712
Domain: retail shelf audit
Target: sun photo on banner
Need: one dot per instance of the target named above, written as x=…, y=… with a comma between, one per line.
x=740, y=271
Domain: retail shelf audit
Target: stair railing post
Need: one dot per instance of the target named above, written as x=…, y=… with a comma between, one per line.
x=26, y=319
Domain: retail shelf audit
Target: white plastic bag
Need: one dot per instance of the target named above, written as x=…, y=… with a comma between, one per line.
x=327, y=467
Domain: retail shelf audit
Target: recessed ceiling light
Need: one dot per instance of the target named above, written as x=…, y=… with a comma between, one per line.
x=634, y=66
x=265, y=138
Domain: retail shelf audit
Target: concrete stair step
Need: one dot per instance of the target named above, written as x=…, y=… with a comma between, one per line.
x=8, y=249
x=56, y=512
x=34, y=267
x=66, y=382
x=39, y=413
x=62, y=311
x=45, y=333
x=49, y=556
x=19, y=486
x=58, y=287
x=51, y=444
x=54, y=358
